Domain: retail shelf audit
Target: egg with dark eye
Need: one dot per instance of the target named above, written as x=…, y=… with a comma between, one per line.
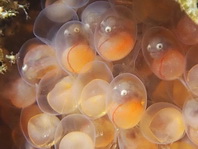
x=157, y=47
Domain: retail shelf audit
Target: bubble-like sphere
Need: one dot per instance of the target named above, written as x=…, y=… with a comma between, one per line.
x=94, y=93
x=92, y=14
x=35, y=59
x=74, y=46
x=190, y=117
x=133, y=138
x=127, y=100
x=51, y=19
x=187, y=31
x=162, y=123
x=75, y=131
x=163, y=54
x=38, y=127
x=115, y=35
x=54, y=93
x=191, y=71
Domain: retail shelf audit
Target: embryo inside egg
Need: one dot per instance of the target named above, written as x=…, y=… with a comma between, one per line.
x=109, y=76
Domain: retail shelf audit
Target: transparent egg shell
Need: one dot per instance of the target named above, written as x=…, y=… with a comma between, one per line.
x=37, y=127
x=54, y=93
x=187, y=31
x=94, y=93
x=51, y=19
x=75, y=131
x=34, y=60
x=74, y=46
x=90, y=72
x=162, y=123
x=133, y=138
x=93, y=13
x=105, y=132
x=163, y=54
x=191, y=70
x=127, y=100
x=115, y=35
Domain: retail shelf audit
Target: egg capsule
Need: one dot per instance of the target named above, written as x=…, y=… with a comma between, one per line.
x=190, y=118
x=191, y=69
x=115, y=35
x=133, y=138
x=34, y=60
x=186, y=31
x=163, y=54
x=92, y=14
x=94, y=93
x=127, y=100
x=21, y=94
x=91, y=71
x=74, y=46
x=75, y=131
x=184, y=143
x=37, y=127
x=54, y=93
x=51, y=19
x=162, y=123
x=105, y=132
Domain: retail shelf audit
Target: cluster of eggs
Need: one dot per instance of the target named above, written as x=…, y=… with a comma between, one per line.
x=107, y=74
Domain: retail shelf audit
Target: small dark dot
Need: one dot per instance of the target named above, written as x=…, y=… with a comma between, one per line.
x=1, y=63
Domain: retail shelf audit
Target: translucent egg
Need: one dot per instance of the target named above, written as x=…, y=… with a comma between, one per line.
x=94, y=93
x=21, y=94
x=74, y=46
x=91, y=71
x=34, y=60
x=105, y=132
x=187, y=31
x=93, y=13
x=75, y=4
x=182, y=144
x=191, y=72
x=133, y=139
x=127, y=100
x=51, y=19
x=190, y=113
x=38, y=127
x=75, y=131
x=115, y=35
x=190, y=117
x=54, y=93
x=162, y=123
x=163, y=54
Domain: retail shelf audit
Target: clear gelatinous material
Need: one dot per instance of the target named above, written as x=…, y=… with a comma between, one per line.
x=51, y=19
x=37, y=127
x=115, y=35
x=133, y=139
x=163, y=54
x=190, y=117
x=94, y=93
x=187, y=31
x=127, y=100
x=21, y=94
x=75, y=131
x=91, y=71
x=74, y=46
x=162, y=123
x=191, y=72
x=54, y=93
x=105, y=132
x=34, y=60
x=92, y=14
